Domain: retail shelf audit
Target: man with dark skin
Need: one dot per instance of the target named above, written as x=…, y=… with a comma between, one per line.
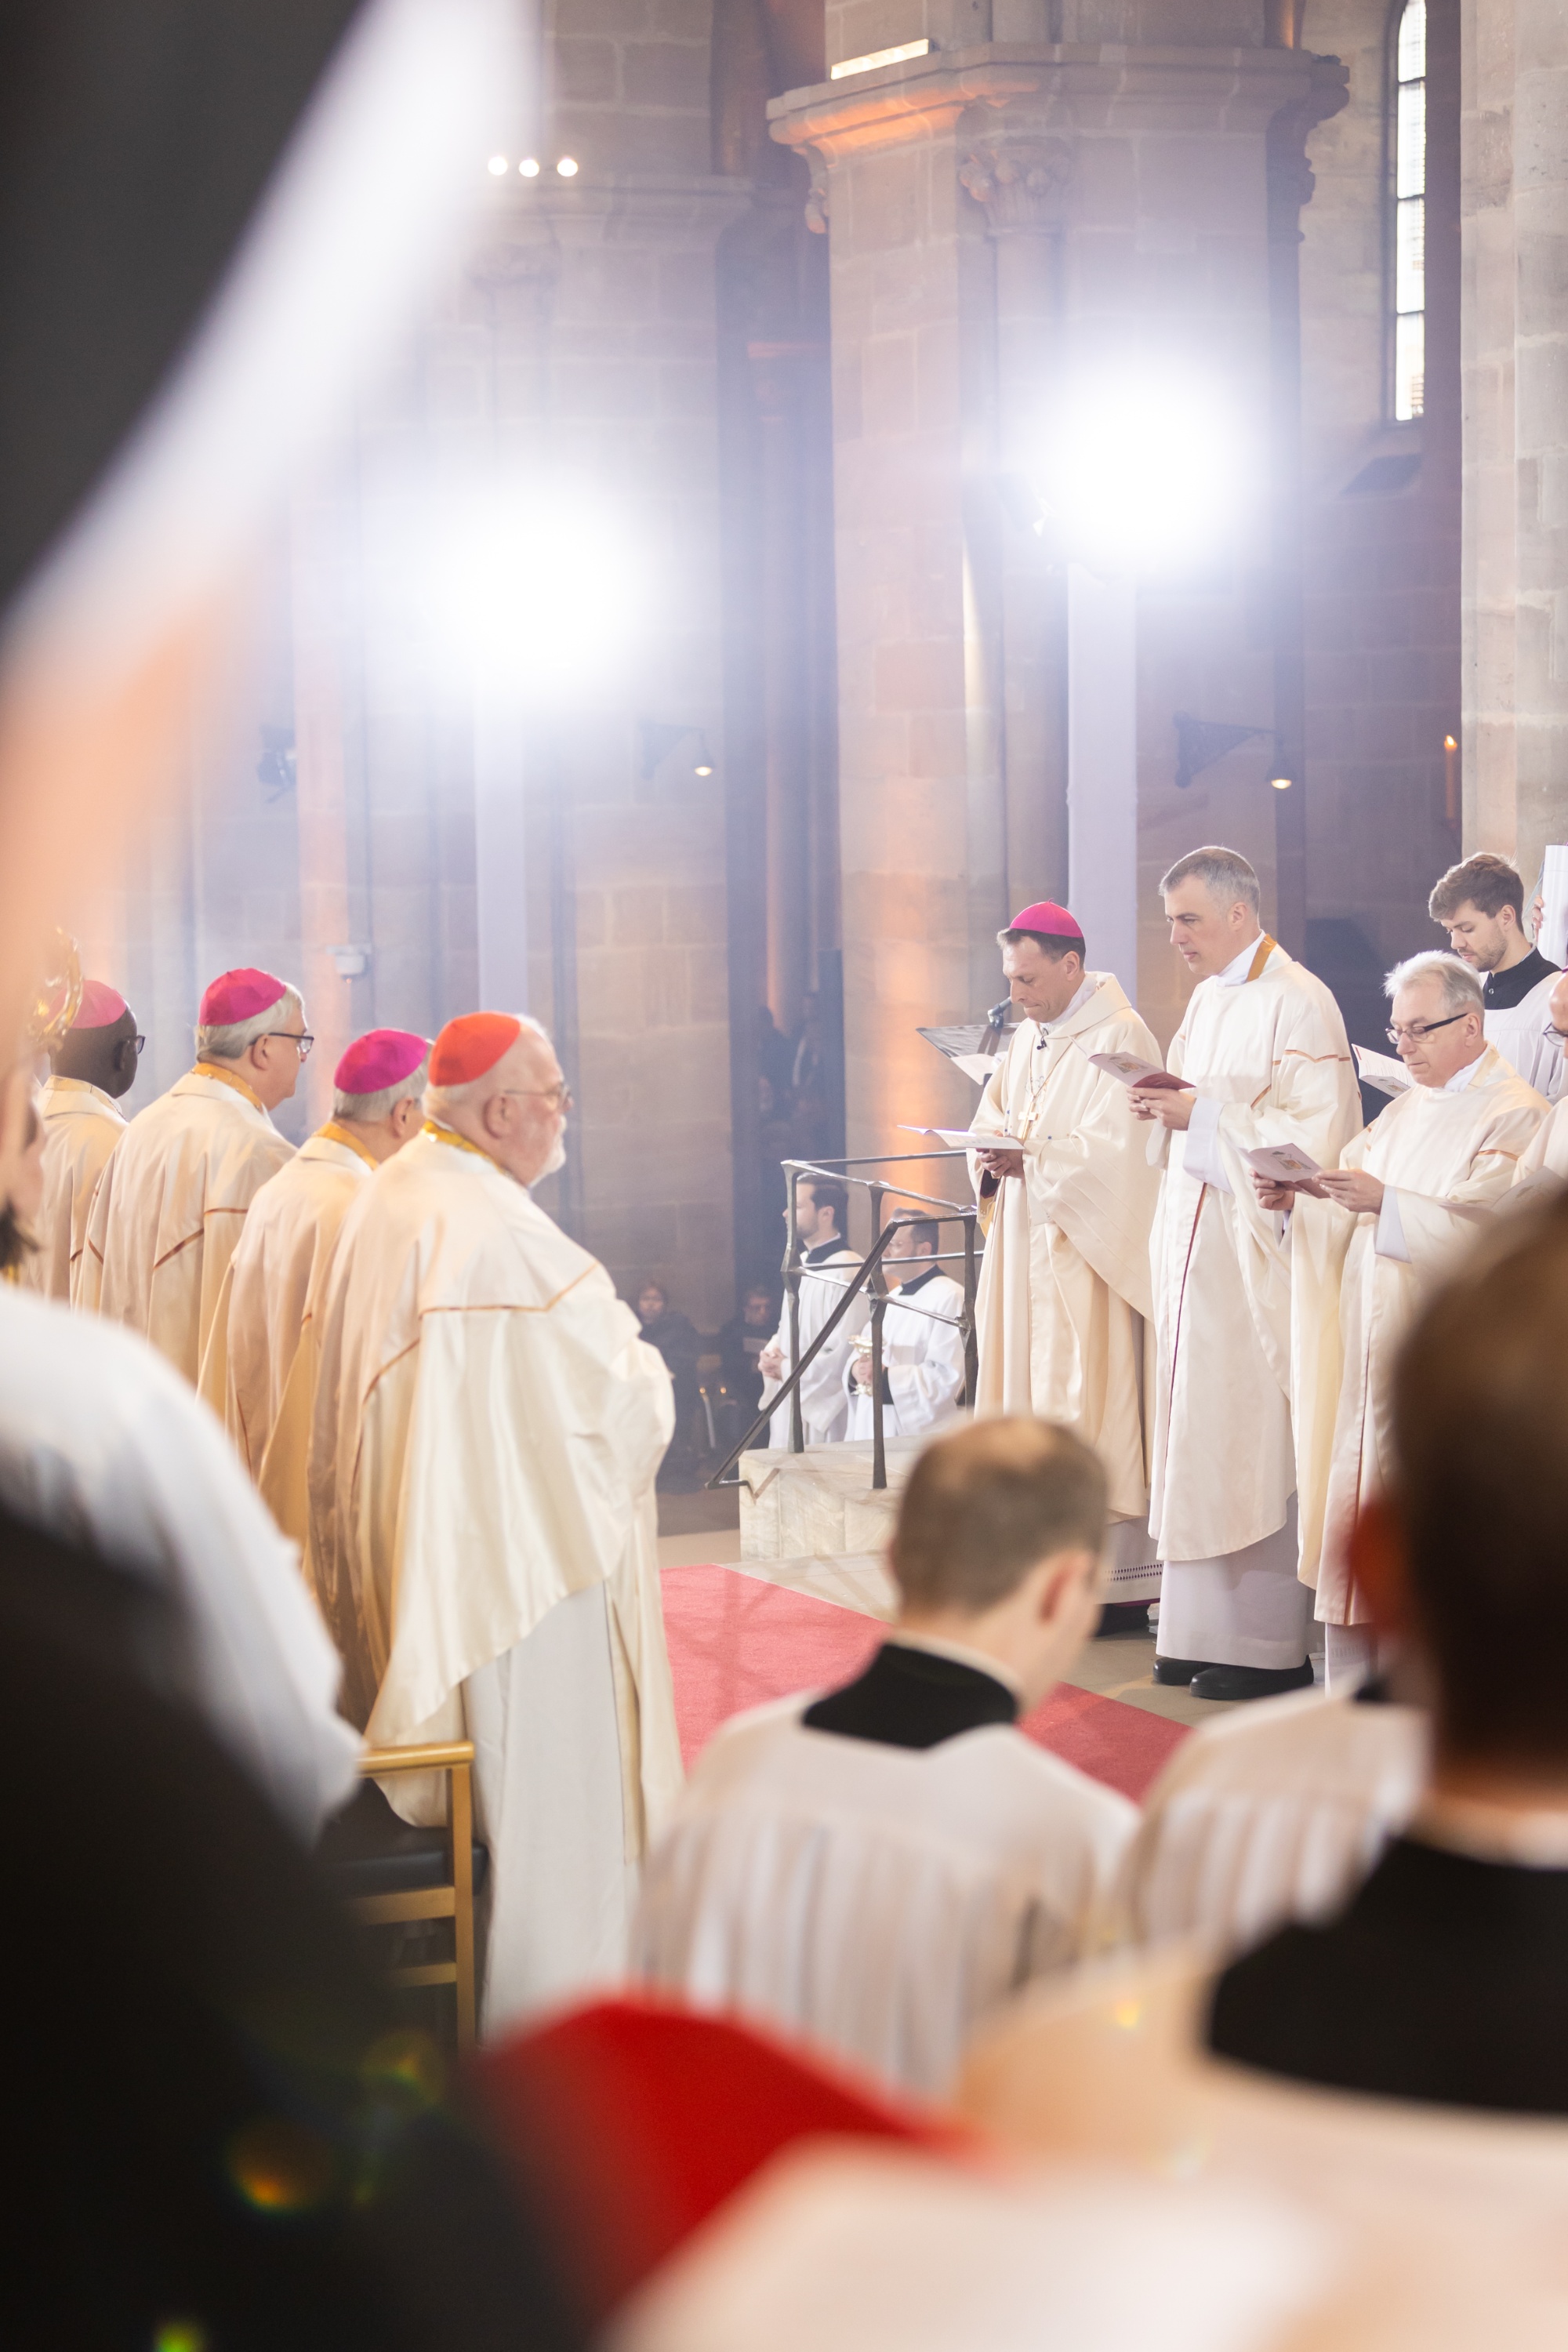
x=91, y=1068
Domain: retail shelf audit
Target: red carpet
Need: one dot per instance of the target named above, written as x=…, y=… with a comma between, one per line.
x=735, y=1641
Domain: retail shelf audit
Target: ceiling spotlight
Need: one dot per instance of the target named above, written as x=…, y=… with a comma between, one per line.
x=567, y=167
x=703, y=768
x=529, y=167
x=1282, y=783
x=498, y=165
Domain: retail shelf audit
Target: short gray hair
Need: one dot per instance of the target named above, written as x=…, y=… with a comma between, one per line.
x=1461, y=988
x=439, y=1101
x=1223, y=873
x=234, y=1039
x=385, y=1101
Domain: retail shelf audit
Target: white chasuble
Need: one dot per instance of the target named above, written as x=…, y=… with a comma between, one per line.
x=1064, y=1297
x=258, y=1371
x=1543, y=1162
x=487, y=1425
x=1263, y=1047
x=825, y=1273
x=166, y=1216
x=1518, y=1032
x=1446, y=1156
x=81, y=1127
x=922, y=1360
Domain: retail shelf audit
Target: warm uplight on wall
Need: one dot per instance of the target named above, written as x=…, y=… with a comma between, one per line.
x=497, y=165
x=529, y=167
x=567, y=167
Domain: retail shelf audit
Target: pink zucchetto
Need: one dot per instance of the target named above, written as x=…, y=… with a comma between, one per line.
x=239, y=996
x=1046, y=915
x=100, y=1007
x=470, y=1045
x=381, y=1058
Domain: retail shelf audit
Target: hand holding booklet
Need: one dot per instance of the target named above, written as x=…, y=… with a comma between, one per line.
x=1134, y=1072
x=1282, y=1163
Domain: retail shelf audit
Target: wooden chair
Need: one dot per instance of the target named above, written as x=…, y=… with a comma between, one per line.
x=402, y=1876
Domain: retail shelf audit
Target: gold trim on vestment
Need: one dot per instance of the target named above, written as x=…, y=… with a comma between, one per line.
x=1266, y=947
x=459, y=1142
x=228, y=1078
x=333, y=1133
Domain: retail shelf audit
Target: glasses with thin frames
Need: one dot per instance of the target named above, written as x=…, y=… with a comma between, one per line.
x=559, y=1097
x=299, y=1037
x=1416, y=1031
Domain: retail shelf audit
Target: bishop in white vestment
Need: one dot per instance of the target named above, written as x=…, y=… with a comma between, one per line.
x=1064, y=1304
x=922, y=1340
x=258, y=1372
x=1411, y=1189
x=166, y=1217
x=1263, y=1051
x=488, y=1426
x=828, y=1266
x=93, y=1064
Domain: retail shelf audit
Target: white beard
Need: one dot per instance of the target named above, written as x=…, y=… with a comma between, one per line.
x=557, y=1159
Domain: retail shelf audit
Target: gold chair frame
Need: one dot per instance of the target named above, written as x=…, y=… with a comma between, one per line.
x=454, y=1901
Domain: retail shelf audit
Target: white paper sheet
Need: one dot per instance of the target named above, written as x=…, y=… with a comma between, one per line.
x=965, y=1139
x=1134, y=1072
x=1381, y=1070
x=1552, y=940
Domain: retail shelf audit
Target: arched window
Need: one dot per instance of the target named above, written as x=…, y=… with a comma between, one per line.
x=1408, y=132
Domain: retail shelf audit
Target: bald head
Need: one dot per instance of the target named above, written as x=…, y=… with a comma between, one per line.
x=516, y=1111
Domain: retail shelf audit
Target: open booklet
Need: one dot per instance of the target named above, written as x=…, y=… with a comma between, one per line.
x=1382, y=1071
x=963, y=1044
x=1282, y=1163
x=1133, y=1071
x=966, y=1139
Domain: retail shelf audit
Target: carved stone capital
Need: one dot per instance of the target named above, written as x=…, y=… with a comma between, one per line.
x=1290, y=176
x=1023, y=185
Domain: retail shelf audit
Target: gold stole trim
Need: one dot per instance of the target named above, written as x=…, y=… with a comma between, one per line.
x=459, y=1142
x=1266, y=947
x=333, y=1133
x=227, y=1078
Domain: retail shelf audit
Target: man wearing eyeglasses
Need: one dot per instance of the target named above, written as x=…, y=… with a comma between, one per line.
x=170, y=1205
x=93, y=1064
x=1407, y=1193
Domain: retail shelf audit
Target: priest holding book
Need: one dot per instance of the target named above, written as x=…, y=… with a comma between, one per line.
x=1264, y=1061
x=1067, y=1200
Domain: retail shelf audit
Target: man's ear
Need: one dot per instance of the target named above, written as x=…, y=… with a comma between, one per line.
x=1059, y=1576
x=1378, y=1568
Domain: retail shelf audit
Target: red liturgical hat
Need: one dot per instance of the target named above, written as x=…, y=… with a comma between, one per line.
x=470, y=1045
x=1046, y=915
x=240, y=996
x=101, y=1006
x=382, y=1058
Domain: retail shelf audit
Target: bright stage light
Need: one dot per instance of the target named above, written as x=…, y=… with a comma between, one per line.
x=534, y=589
x=1143, y=479
x=567, y=167
x=496, y=166
x=529, y=167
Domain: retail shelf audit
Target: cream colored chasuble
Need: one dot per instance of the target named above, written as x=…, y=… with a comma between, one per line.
x=1064, y=1293
x=1447, y=1155
x=488, y=1426
x=1269, y=1061
x=81, y=1127
x=1543, y=1162
x=166, y=1216
x=273, y=1282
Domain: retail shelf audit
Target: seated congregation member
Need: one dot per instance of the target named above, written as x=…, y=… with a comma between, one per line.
x=488, y=1427
x=828, y=1265
x=1442, y=1979
x=1480, y=905
x=923, y=1356
x=1406, y=1195
x=93, y=1064
x=1275, y=1813
x=166, y=1216
x=676, y=1336
x=741, y=1343
x=101, y=1443
x=877, y=1868
x=258, y=1373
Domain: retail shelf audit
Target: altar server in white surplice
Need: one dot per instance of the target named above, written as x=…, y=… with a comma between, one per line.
x=827, y=1264
x=1544, y=1163
x=1263, y=1059
x=1409, y=1193
x=1064, y=1302
x=93, y=1064
x=166, y=1217
x=878, y=1868
x=923, y=1339
x=488, y=1426
x=259, y=1371
x=1274, y=1813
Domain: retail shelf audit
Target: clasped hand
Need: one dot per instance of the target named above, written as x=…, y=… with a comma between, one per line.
x=1351, y=1188
x=1001, y=1163
x=1172, y=1109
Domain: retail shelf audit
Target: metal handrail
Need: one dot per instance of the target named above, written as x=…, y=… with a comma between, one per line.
x=867, y=1274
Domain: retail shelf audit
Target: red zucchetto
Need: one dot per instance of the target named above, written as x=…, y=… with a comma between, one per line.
x=240, y=995
x=470, y=1045
x=1046, y=915
x=100, y=1007
x=381, y=1058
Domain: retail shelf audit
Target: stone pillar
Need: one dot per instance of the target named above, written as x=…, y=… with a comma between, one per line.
x=1514, y=334
x=1149, y=165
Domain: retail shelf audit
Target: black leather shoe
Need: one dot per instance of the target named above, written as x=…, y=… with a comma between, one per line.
x=1122, y=1617
x=1180, y=1670
x=1251, y=1682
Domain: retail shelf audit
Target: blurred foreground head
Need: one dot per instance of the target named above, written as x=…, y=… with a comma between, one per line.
x=1480, y=1508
